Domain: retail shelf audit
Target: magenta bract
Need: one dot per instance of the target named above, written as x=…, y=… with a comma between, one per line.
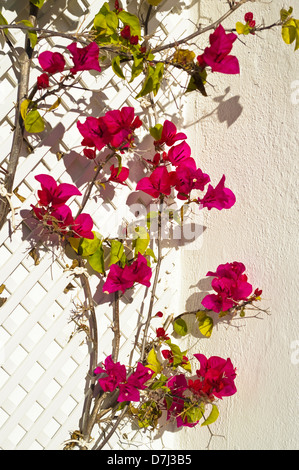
x=85, y=58
x=51, y=62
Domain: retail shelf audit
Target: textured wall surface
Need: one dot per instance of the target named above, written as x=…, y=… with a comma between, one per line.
x=246, y=129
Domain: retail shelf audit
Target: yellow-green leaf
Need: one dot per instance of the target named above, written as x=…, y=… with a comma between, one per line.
x=154, y=3
x=34, y=122
x=212, y=416
x=290, y=32
x=284, y=14
x=205, y=324
x=153, y=362
x=3, y=21
x=23, y=108
x=115, y=63
x=242, y=28
x=55, y=105
x=31, y=34
x=180, y=327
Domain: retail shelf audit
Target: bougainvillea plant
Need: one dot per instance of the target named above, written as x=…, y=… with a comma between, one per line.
x=162, y=386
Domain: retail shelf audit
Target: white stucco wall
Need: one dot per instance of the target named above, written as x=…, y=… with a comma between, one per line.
x=247, y=129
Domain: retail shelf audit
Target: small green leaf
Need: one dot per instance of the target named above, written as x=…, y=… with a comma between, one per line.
x=24, y=107
x=141, y=241
x=284, y=14
x=115, y=63
x=128, y=19
x=137, y=66
x=116, y=251
x=89, y=246
x=180, y=327
x=205, y=324
x=194, y=413
x=212, y=416
x=242, y=28
x=152, y=80
x=31, y=34
x=156, y=131
x=197, y=82
x=3, y=21
x=38, y=3
x=96, y=260
x=153, y=362
x=34, y=122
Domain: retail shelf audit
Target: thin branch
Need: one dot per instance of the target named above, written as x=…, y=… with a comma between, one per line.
x=155, y=283
x=200, y=31
x=18, y=136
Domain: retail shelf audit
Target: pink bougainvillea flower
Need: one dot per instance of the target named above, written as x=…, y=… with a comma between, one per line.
x=90, y=153
x=231, y=286
x=128, y=392
x=179, y=153
x=161, y=334
x=217, y=55
x=189, y=177
x=116, y=373
x=116, y=281
x=121, y=177
x=126, y=32
x=217, y=303
x=218, y=197
x=134, y=40
x=138, y=271
x=62, y=216
x=85, y=58
x=218, y=376
x=82, y=226
x=95, y=132
x=159, y=314
x=169, y=135
x=54, y=194
x=121, y=125
x=51, y=62
x=230, y=270
x=43, y=81
x=117, y=6
x=159, y=182
x=141, y=375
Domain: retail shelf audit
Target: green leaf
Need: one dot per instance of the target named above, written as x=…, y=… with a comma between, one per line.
x=137, y=66
x=24, y=107
x=284, y=14
x=153, y=362
x=242, y=28
x=290, y=32
x=212, y=416
x=96, y=260
x=34, y=122
x=89, y=246
x=38, y=3
x=156, y=131
x=115, y=63
x=131, y=20
x=152, y=81
x=141, y=241
x=197, y=82
x=116, y=251
x=3, y=21
x=177, y=355
x=205, y=324
x=106, y=22
x=31, y=34
x=180, y=327
x=194, y=413
x=149, y=252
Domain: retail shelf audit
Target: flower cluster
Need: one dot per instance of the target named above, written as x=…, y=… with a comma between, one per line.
x=185, y=175
x=231, y=286
x=84, y=58
x=121, y=279
x=215, y=379
x=52, y=210
x=217, y=56
x=116, y=377
x=115, y=129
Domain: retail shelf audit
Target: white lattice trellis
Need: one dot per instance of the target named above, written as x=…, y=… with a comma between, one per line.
x=42, y=373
